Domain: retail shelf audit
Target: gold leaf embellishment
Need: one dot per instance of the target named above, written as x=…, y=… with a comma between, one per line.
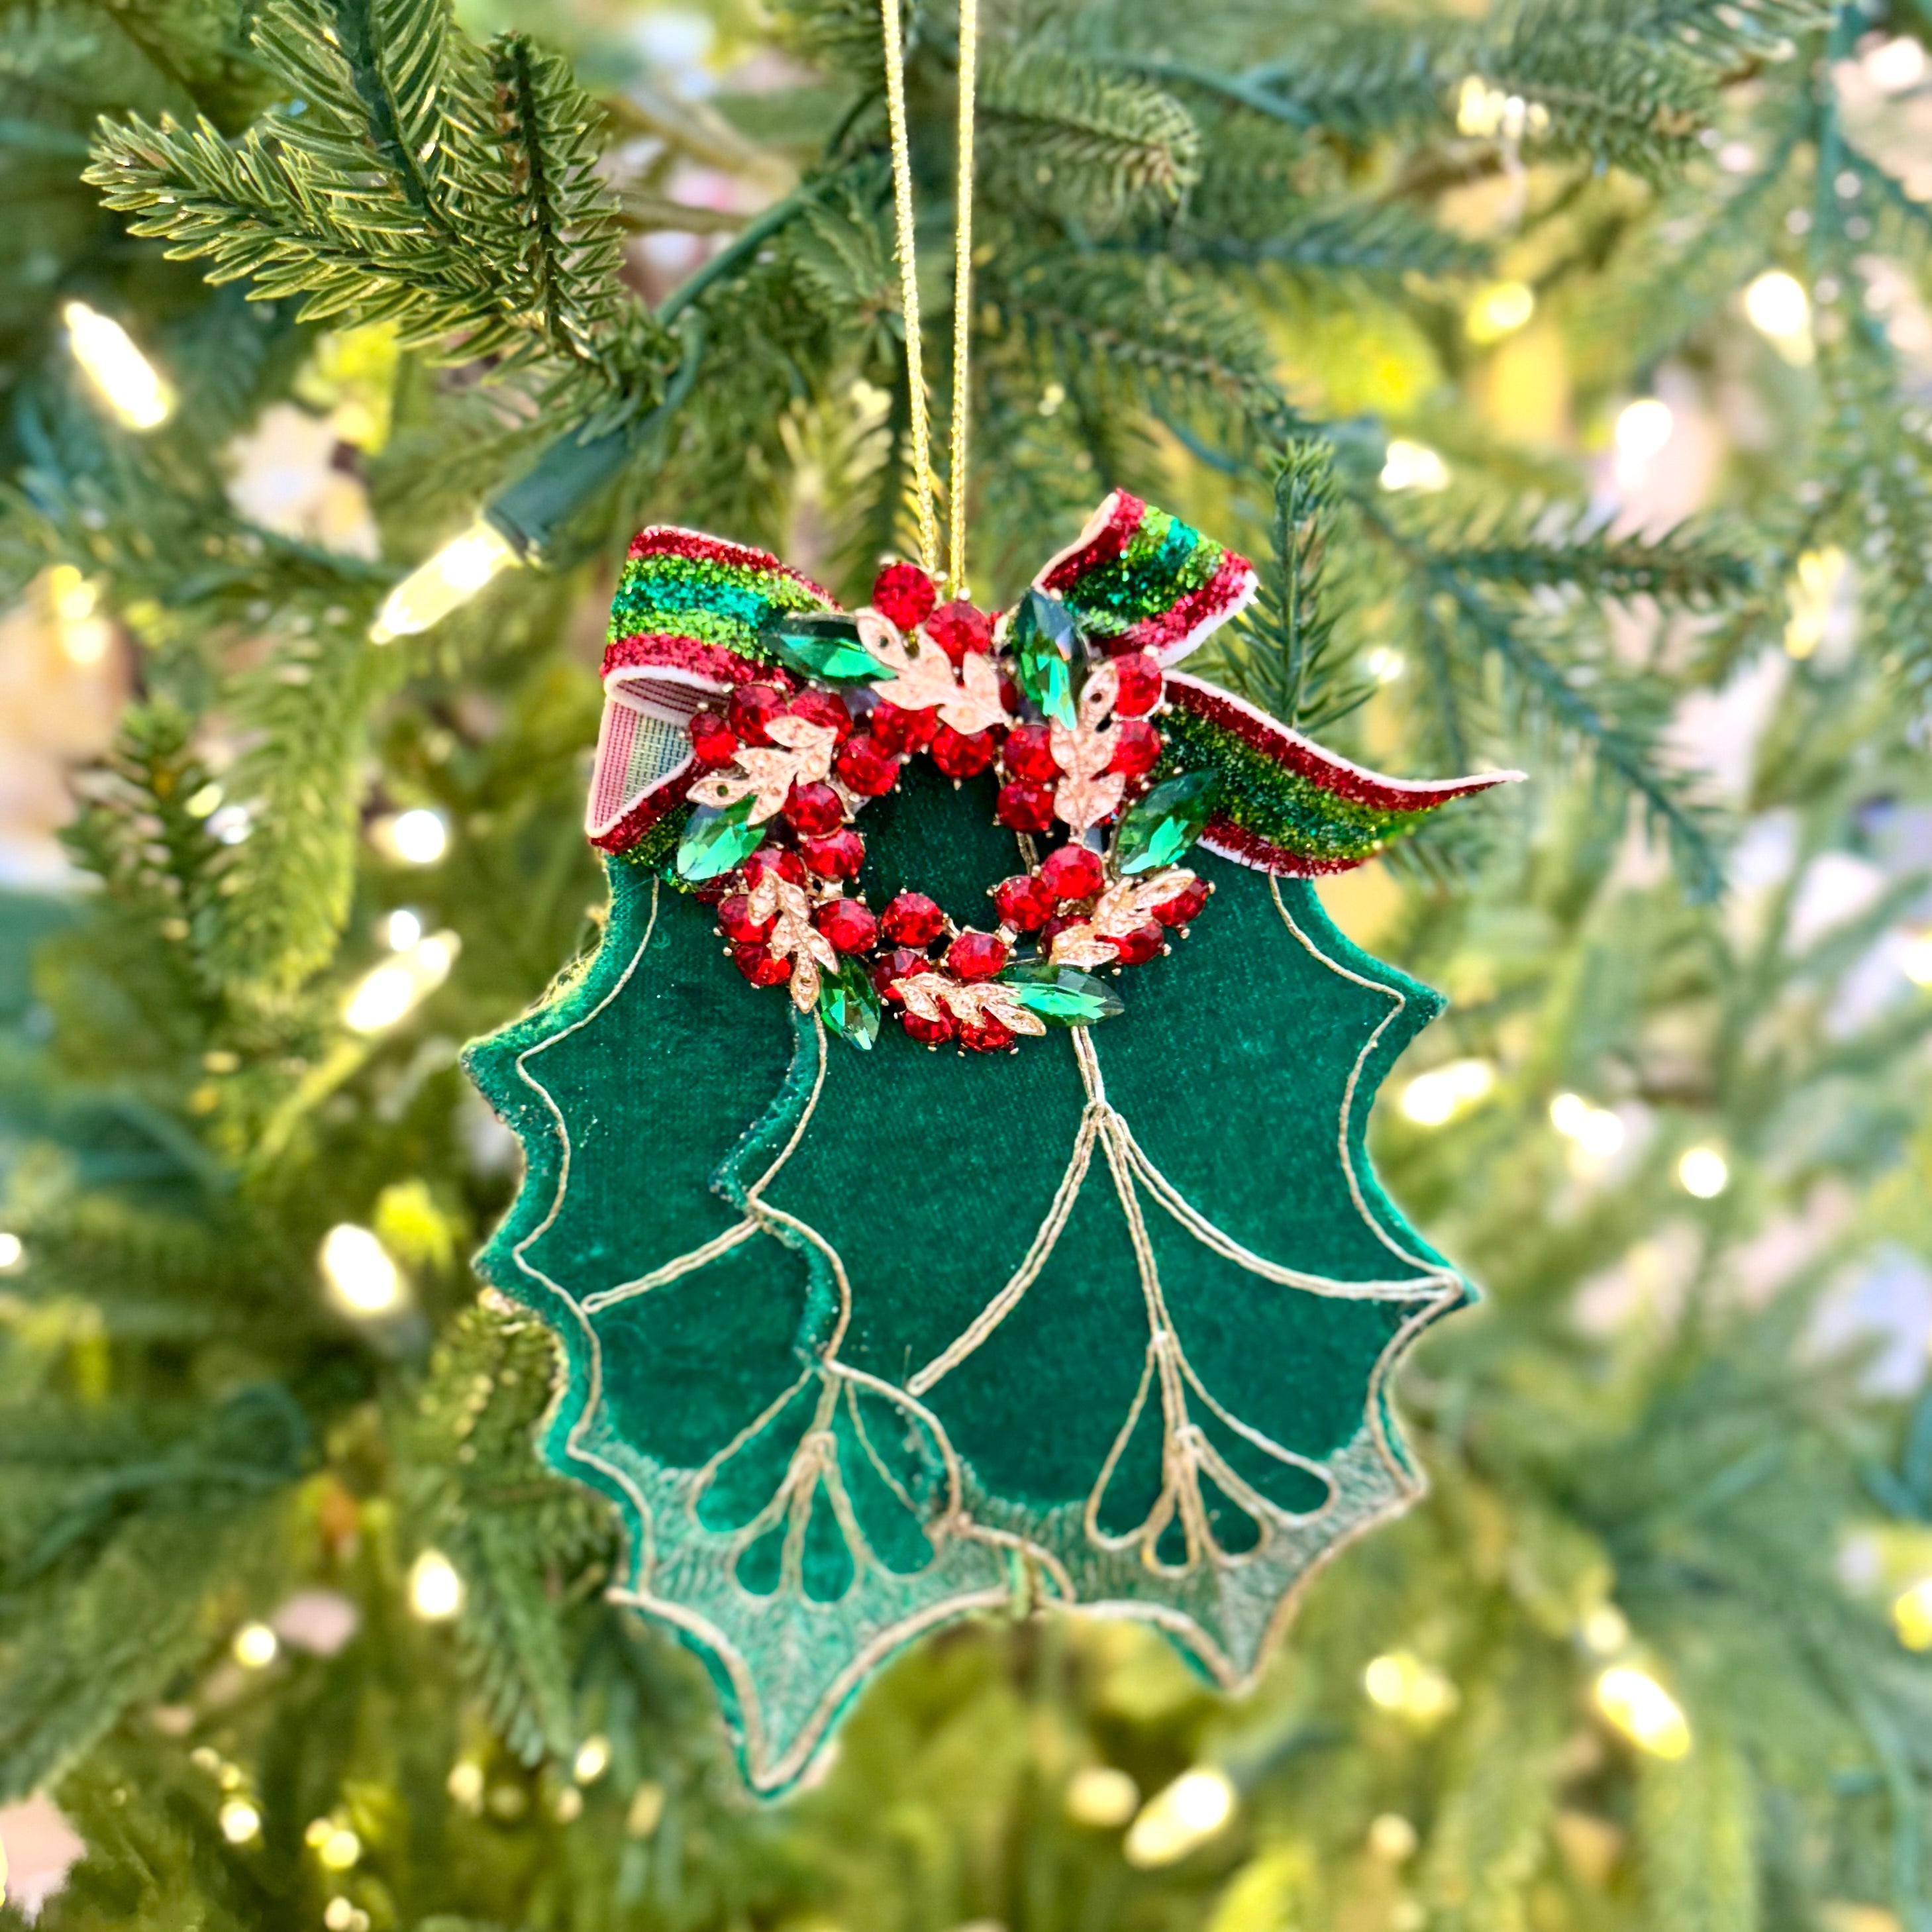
x=800, y=754
x=1089, y=793
x=1129, y=903
x=934, y=996
x=793, y=935
x=1082, y=945
x=923, y=679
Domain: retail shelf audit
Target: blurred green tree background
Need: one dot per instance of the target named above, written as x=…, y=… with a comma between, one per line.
x=1570, y=360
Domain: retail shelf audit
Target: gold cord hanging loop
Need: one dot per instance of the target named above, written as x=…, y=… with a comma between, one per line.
x=922, y=427
x=926, y=483
x=962, y=300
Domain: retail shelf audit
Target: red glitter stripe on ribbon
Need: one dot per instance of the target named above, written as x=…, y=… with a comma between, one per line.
x=1220, y=595
x=664, y=797
x=1335, y=776
x=668, y=540
x=1101, y=549
x=713, y=663
x=1227, y=840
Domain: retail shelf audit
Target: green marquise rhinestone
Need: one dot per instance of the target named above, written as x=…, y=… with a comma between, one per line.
x=1061, y=995
x=849, y=1005
x=717, y=842
x=822, y=645
x=1157, y=829
x=1046, y=642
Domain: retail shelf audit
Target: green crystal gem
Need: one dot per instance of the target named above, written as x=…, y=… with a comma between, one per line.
x=1156, y=830
x=849, y=1004
x=717, y=842
x=1045, y=641
x=1061, y=995
x=822, y=645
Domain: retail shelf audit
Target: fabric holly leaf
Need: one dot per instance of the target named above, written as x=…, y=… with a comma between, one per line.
x=1122, y=1307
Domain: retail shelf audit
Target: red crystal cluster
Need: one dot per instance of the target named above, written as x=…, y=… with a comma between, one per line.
x=813, y=848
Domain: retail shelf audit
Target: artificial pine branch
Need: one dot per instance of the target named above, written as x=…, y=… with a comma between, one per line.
x=572, y=253
x=379, y=201
x=1318, y=238
x=1106, y=145
x=1286, y=661
x=530, y=1545
x=182, y=1550
x=1157, y=334
x=280, y=895
x=1689, y=566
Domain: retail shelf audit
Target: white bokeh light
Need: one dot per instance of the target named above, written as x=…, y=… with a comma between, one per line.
x=436, y=1588
x=362, y=1279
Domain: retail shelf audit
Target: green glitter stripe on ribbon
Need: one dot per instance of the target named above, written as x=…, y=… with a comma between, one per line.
x=1272, y=802
x=655, y=847
x=1165, y=560
x=714, y=603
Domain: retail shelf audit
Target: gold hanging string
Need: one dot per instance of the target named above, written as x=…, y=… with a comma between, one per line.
x=922, y=427
x=926, y=483
x=962, y=300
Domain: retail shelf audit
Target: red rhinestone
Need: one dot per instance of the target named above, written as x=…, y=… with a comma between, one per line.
x=1023, y=902
x=985, y=1035
x=1142, y=944
x=896, y=965
x=1025, y=808
x=913, y=919
x=823, y=707
x=977, y=956
x=734, y=916
x=838, y=855
x=956, y=627
x=1141, y=685
x=788, y=865
x=814, y=809
x=896, y=732
x=849, y=924
x=931, y=1033
x=1185, y=906
x=713, y=740
x=961, y=755
x=1136, y=747
x=753, y=706
x=864, y=765
x=903, y=594
x=759, y=966
x=1073, y=872
x=1028, y=754
x=1009, y=696
x=713, y=892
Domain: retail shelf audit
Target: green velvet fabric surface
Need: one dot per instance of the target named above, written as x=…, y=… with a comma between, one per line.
x=855, y=1341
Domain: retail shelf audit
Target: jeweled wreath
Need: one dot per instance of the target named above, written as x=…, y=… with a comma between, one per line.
x=755, y=720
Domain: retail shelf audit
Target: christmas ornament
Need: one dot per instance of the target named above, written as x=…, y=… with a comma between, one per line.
x=859, y=1342
x=1099, y=1308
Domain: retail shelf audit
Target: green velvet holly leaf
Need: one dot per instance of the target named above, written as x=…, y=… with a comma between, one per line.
x=1122, y=1306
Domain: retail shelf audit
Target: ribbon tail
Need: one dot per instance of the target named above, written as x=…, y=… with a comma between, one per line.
x=685, y=627
x=1139, y=579
x=1286, y=805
